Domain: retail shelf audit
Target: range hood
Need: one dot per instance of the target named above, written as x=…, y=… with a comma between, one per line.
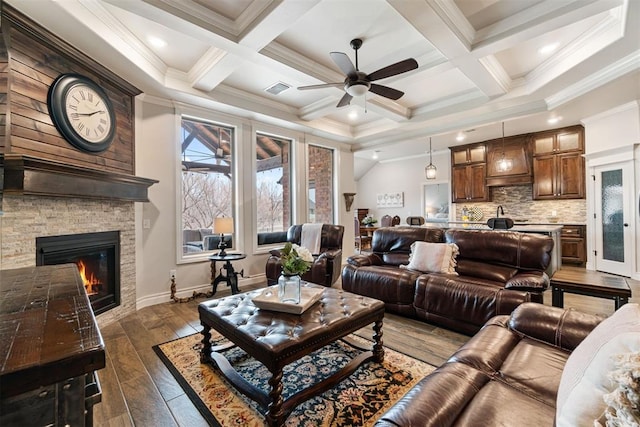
x=514, y=149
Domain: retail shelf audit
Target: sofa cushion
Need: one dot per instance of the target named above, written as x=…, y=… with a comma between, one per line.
x=497, y=273
x=433, y=257
x=584, y=380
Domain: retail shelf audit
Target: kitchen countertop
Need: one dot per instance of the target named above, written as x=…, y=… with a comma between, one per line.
x=522, y=227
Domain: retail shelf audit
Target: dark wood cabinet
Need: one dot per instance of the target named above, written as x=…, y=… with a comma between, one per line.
x=468, y=154
x=558, y=164
x=570, y=139
x=574, y=245
x=468, y=183
x=516, y=150
x=468, y=173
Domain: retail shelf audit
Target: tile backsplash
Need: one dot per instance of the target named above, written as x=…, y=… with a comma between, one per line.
x=517, y=202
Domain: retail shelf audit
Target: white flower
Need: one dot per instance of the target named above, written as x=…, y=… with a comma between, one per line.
x=303, y=253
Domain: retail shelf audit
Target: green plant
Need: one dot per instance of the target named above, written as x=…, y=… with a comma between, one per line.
x=369, y=220
x=295, y=259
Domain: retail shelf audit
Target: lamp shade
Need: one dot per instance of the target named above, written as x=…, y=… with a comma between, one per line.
x=223, y=225
x=357, y=89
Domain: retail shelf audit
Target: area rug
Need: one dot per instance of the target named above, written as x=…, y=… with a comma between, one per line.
x=359, y=400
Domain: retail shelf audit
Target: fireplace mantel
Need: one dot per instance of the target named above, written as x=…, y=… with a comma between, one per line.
x=28, y=175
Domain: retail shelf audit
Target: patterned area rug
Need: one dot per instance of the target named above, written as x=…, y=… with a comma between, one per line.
x=359, y=400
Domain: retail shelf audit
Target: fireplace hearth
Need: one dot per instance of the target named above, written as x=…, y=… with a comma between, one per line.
x=97, y=256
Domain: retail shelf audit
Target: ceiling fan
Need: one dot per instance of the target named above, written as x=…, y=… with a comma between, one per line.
x=358, y=83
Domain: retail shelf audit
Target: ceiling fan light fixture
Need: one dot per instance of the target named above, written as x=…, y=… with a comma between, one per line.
x=357, y=88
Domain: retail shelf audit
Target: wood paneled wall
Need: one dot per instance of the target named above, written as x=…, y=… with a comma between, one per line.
x=30, y=60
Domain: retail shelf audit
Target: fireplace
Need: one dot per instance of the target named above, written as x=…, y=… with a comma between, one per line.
x=97, y=256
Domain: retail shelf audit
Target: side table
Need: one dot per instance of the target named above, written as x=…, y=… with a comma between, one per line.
x=231, y=278
x=590, y=283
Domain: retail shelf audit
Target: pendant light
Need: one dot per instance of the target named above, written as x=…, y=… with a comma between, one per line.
x=430, y=170
x=504, y=164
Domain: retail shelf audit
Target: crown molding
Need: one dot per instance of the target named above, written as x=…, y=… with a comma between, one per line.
x=453, y=17
x=617, y=69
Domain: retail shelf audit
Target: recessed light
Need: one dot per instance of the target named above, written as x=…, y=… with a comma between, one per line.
x=554, y=120
x=375, y=155
x=353, y=114
x=461, y=136
x=544, y=50
x=156, y=42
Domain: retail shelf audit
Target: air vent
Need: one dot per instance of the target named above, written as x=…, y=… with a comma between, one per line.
x=277, y=88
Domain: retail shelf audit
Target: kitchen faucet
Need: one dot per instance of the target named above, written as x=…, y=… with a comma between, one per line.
x=499, y=211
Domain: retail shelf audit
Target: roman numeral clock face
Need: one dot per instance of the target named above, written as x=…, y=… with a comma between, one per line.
x=82, y=112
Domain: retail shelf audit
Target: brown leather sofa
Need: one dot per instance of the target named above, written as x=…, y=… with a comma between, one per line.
x=508, y=374
x=325, y=269
x=497, y=271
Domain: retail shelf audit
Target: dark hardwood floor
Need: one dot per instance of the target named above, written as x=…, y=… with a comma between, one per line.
x=137, y=389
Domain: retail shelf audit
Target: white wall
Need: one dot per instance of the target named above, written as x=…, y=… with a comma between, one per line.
x=157, y=158
x=405, y=175
x=614, y=136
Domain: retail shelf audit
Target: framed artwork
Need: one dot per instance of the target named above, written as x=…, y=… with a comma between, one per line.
x=390, y=200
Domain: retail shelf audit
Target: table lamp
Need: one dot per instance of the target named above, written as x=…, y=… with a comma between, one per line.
x=222, y=225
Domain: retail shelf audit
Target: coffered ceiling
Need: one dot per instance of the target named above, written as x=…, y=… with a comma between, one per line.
x=480, y=62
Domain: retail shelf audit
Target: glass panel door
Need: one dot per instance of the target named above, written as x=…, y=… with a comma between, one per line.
x=611, y=215
x=613, y=218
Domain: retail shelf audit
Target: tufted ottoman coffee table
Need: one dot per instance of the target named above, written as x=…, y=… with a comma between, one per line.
x=277, y=339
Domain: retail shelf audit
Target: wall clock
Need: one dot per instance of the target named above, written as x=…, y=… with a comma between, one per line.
x=82, y=112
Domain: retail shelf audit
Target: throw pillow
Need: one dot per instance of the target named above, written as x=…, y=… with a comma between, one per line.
x=624, y=401
x=433, y=257
x=584, y=379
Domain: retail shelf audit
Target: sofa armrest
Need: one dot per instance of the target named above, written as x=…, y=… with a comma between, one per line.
x=331, y=254
x=276, y=252
x=564, y=328
x=535, y=281
x=362, y=260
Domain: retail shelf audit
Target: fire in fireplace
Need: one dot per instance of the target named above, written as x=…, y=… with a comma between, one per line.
x=97, y=256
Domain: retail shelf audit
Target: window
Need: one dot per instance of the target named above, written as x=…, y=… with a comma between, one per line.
x=207, y=182
x=321, y=201
x=273, y=188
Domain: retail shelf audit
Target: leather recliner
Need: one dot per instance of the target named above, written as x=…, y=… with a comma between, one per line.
x=496, y=272
x=326, y=266
x=508, y=374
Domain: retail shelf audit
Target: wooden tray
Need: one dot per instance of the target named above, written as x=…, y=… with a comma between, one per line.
x=268, y=300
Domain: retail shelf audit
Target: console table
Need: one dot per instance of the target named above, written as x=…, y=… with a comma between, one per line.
x=231, y=277
x=51, y=347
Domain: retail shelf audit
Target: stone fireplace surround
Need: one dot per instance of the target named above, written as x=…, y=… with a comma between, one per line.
x=27, y=217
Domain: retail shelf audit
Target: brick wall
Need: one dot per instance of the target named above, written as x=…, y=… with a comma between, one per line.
x=321, y=172
x=26, y=218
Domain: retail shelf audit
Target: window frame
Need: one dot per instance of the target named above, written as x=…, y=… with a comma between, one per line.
x=334, y=179
x=217, y=119
x=297, y=179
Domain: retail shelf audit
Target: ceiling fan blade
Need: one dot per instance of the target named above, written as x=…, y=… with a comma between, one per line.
x=394, y=69
x=386, y=91
x=344, y=63
x=320, y=86
x=345, y=100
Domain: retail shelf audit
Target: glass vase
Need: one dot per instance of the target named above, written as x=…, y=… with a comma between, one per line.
x=289, y=288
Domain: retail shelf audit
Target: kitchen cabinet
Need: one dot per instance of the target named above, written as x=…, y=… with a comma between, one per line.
x=468, y=154
x=569, y=139
x=468, y=173
x=574, y=244
x=468, y=183
x=558, y=164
